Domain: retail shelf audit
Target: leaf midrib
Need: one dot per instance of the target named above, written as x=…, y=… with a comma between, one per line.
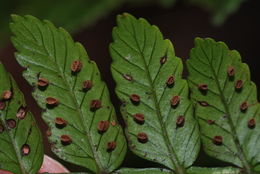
x=241, y=154
x=97, y=160
x=173, y=157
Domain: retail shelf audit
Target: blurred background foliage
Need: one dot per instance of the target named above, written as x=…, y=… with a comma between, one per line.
x=75, y=14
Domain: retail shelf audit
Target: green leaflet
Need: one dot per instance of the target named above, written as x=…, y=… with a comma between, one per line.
x=230, y=126
x=142, y=63
x=18, y=131
x=192, y=170
x=142, y=171
x=223, y=170
x=74, y=113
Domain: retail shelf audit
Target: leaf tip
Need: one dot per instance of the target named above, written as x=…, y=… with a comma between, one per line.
x=198, y=39
x=206, y=39
x=15, y=17
x=125, y=15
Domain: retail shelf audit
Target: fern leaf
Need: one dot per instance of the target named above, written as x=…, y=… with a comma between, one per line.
x=227, y=106
x=191, y=170
x=77, y=108
x=156, y=108
x=21, y=149
x=142, y=171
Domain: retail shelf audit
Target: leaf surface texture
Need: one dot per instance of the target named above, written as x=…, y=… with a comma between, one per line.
x=228, y=110
x=142, y=64
x=21, y=146
x=75, y=99
x=142, y=171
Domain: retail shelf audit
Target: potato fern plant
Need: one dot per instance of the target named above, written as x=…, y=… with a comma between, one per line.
x=166, y=116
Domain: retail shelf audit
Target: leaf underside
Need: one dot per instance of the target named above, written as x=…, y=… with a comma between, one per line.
x=47, y=52
x=220, y=170
x=192, y=170
x=228, y=112
x=17, y=134
x=142, y=171
x=142, y=63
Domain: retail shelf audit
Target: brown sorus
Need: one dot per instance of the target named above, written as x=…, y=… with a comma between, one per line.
x=2, y=105
x=231, y=71
x=60, y=122
x=7, y=94
x=244, y=106
x=251, y=123
x=21, y=113
x=211, y=122
x=142, y=137
x=2, y=128
x=239, y=84
x=111, y=146
x=203, y=103
x=25, y=150
x=87, y=85
x=203, y=87
x=42, y=82
x=139, y=118
x=65, y=139
x=127, y=77
x=218, y=140
x=180, y=121
x=51, y=101
x=48, y=133
x=76, y=66
x=11, y=123
x=103, y=126
x=163, y=60
x=175, y=100
x=95, y=104
x=170, y=81
x=135, y=98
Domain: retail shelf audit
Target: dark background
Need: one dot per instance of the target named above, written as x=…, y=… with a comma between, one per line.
x=181, y=24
